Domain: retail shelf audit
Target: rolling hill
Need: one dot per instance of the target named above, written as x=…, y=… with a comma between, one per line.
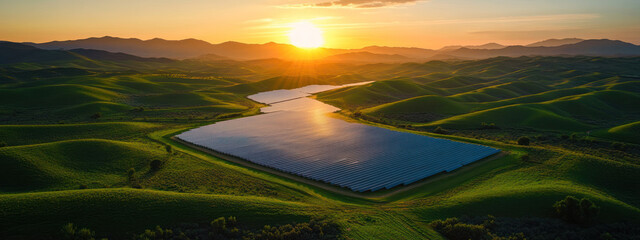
x=193, y=48
x=61, y=161
x=464, y=95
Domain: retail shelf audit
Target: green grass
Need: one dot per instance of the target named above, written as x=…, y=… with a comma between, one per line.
x=127, y=211
x=69, y=164
x=15, y=135
x=424, y=104
x=45, y=164
x=626, y=133
x=517, y=116
x=532, y=94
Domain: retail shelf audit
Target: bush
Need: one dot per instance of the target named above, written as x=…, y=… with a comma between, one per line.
x=3, y=144
x=71, y=232
x=485, y=125
x=619, y=146
x=132, y=179
x=96, y=116
x=157, y=233
x=453, y=229
x=219, y=225
x=525, y=158
x=524, y=141
x=83, y=186
x=155, y=165
x=574, y=136
x=168, y=148
x=440, y=130
x=576, y=211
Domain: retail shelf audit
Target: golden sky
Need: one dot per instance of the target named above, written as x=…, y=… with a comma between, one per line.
x=345, y=23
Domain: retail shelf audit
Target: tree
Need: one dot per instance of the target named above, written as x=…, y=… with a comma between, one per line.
x=576, y=211
x=155, y=165
x=133, y=180
x=69, y=231
x=219, y=225
x=524, y=141
x=168, y=148
x=440, y=130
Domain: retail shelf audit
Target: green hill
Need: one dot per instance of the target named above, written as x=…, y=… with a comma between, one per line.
x=135, y=210
x=626, y=133
x=515, y=93
x=62, y=165
x=72, y=163
x=15, y=135
x=424, y=104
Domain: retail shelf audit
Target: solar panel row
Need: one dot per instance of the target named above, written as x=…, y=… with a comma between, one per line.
x=356, y=156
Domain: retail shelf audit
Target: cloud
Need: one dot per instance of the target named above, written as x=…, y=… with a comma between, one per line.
x=353, y=4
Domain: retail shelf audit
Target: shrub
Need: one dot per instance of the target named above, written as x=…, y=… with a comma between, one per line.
x=3, y=144
x=219, y=225
x=83, y=186
x=574, y=136
x=71, y=232
x=168, y=148
x=576, y=211
x=157, y=233
x=618, y=146
x=96, y=116
x=440, y=130
x=85, y=234
x=138, y=109
x=132, y=179
x=524, y=141
x=453, y=229
x=525, y=158
x=485, y=125
x=155, y=165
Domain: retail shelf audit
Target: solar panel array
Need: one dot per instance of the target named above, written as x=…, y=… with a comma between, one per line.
x=298, y=137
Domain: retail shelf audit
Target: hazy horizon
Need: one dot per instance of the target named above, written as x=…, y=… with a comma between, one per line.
x=287, y=43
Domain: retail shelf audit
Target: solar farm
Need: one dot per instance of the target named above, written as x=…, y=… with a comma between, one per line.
x=297, y=137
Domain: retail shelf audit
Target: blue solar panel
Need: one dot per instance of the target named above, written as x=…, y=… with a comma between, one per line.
x=299, y=138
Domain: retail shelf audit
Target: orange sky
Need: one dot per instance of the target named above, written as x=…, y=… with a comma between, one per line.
x=345, y=23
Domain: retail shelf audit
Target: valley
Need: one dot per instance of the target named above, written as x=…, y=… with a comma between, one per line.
x=89, y=141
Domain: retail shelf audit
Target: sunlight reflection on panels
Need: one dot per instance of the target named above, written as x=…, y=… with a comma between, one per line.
x=298, y=137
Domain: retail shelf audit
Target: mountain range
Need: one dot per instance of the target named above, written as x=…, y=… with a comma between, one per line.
x=193, y=48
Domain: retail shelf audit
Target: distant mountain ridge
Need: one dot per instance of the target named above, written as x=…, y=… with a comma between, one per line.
x=555, y=42
x=368, y=57
x=11, y=52
x=483, y=46
x=193, y=48
x=600, y=47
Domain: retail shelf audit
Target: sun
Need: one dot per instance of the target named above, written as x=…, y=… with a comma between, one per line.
x=305, y=35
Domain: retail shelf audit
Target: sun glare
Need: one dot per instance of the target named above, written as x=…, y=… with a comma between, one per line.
x=305, y=35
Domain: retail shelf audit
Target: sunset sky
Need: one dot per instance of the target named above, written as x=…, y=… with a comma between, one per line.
x=345, y=23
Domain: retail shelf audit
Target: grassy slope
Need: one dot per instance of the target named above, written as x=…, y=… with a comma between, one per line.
x=68, y=164
x=206, y=183
x=136, y=210
x=521, y=95
x=15, y=135
x=114, y=95
x=626, y=133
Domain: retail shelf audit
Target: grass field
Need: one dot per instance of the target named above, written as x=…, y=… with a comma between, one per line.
x=60, y=164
